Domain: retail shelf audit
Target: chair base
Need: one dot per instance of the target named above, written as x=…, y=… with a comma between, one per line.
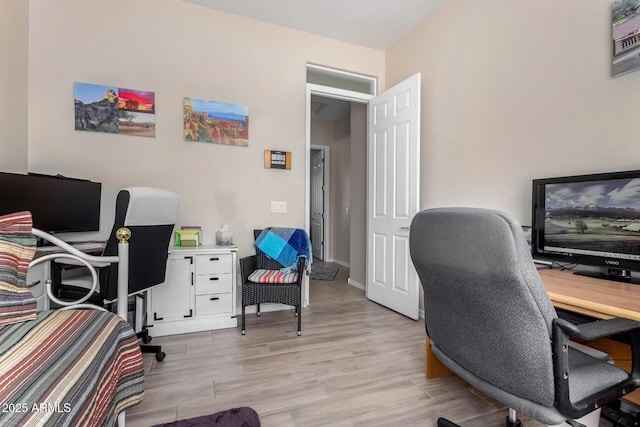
x=443, y=422
x=160, y=355
x=511, y=423
x=145, y=348
x=619, y=418
x=590, y=420
x=297, y=313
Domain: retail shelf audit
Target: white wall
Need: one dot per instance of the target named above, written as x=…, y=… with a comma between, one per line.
x=179, y=49
x=513, y=91
x=14, y=44
x=358, y=209
x=340, y=192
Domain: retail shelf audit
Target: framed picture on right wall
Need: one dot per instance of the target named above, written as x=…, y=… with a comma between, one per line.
x=625, y=18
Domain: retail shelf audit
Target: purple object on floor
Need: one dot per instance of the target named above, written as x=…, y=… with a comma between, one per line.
x=236, y=417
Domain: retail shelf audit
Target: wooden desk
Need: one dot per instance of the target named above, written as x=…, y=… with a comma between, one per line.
x=601, y=299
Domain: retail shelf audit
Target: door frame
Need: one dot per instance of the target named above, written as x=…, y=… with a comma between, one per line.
x=326, y=182
x=328, y=92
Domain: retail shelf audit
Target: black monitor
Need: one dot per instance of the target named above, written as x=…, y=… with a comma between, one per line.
x=57, y=204
x=589, y=220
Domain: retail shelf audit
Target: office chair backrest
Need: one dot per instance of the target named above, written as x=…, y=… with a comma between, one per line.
x=150, y=214
x=485, y=305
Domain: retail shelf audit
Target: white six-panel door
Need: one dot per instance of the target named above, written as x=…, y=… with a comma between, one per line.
x=392, y=195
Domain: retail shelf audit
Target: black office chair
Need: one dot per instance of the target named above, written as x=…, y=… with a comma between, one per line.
x=150, y=214
x=258, y=284
x=492, y=323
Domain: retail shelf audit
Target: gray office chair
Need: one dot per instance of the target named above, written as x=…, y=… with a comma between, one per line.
x=150, y=214
x=491, y=321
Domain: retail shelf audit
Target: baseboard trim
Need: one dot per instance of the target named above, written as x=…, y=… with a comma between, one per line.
x=356, y=284
x=335, y=261
x=362, y=287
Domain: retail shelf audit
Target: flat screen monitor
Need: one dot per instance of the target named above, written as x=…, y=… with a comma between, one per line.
x=589, y=220
x=57, y=204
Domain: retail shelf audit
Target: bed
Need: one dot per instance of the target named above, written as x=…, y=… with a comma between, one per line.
x=78, y=367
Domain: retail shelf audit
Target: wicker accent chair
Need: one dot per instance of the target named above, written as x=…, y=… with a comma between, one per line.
x=254, y=293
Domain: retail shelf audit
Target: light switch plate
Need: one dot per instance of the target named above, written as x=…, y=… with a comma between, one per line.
x=278, y=207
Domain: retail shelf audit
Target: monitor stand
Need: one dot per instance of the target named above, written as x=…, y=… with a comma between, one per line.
x=615, y=274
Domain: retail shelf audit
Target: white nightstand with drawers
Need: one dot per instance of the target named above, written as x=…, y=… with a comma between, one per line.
x=199, y=292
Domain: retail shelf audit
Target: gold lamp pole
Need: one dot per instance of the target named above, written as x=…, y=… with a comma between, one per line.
x=123, y=234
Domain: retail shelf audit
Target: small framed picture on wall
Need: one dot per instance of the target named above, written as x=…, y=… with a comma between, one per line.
x=625, y=17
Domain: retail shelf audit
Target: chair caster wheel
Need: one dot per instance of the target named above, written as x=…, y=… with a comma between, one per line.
x=160, y=356
x=147, y=339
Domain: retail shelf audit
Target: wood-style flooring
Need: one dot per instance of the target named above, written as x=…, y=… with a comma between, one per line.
x=356, y=364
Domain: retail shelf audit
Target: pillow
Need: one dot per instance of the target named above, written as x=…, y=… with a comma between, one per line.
x=273, y=276
x=17, y=247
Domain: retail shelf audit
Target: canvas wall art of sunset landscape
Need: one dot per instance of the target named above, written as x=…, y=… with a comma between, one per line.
x=100, y=108
x=216, y=122
x=136, y=112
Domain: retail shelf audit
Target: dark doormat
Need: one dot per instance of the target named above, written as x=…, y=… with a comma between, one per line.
x=323, y=273
x=236, y=417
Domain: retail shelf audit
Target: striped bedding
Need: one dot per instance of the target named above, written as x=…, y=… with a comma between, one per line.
x=69, y=368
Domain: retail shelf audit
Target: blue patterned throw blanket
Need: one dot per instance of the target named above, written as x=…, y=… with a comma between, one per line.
x=285, y=245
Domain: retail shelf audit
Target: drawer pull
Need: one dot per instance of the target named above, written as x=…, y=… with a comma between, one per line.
x=214, y=299
x=214, y=259
x=214, y=278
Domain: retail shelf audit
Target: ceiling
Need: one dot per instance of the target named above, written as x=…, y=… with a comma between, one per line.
x=376, y=24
